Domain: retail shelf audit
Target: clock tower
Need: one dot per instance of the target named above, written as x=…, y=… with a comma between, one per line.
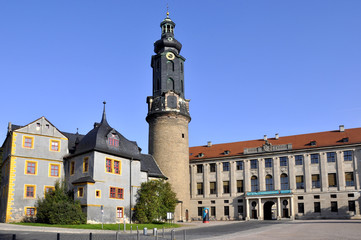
x=168, y=116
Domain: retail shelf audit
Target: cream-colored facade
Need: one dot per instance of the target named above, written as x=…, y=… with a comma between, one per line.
x=274, y=181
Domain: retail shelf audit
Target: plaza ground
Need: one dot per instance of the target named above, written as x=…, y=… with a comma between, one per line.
x=225, y=230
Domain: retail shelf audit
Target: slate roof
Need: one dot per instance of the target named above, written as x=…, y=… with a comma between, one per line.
x=149, y=165
x=84, y=180
x=299, y=142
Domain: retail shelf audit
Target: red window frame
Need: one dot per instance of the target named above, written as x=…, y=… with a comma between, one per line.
x=117, y=193
x=30, y=191
x=30, y=168
x=30, y=212
x=114, y=142
x=120, y=212
x=108, y=165
x=116, y=167
x=54, y=169
x=28, y=142
x=54, y=145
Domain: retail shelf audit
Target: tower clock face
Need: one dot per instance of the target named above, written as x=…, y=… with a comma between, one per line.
x=170, y=56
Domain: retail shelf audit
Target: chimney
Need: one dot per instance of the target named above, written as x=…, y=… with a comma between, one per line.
x=209, y=144
x=277, y=136
x=265, y=137
x=342, y=128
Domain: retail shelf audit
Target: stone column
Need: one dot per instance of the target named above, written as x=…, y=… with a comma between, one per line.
x=356, y=171
x=323, y=171
x=247, y=177
x=232, y=179
x=340, y=175
x=291, y=172
x=279, y=216
x=292, y=213
x=206, y=180
x=247, y=209
x=260, y=210
x=307, y=171
x=219, y=179
x=276, y=173
x=261, y=175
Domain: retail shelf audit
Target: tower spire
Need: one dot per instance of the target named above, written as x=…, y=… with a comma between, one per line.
x=104, y=117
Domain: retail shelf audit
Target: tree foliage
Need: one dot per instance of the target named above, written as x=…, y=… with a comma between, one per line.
x=59, y=207
x=155, y=199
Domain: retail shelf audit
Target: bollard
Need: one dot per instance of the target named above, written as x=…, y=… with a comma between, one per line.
x=184, y=235
x=90, y=236
x=138, y=235
x=145, y=231
x=131, y=229
x=163, y=233
x=172, y=235
x=14, y=236
x=155, y=231
x=58, y=236
x=116, y=235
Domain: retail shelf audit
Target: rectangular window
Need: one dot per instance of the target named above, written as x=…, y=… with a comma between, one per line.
x=269, y=183
x=119, y=212
x=283, y=161
x=317, y=207
x=332, y=182
x=299, y=159
x=254, y=164
x=225, y=186
x=349, y=179
x=55, y=145
x=331, y=157
x=239, y=165
x=315, y=158
x=49, y=189
x=226, y=210
x=200, y=188
x=30, y=191
x=316, y=181
x=28, y=142
x=80, y=192
x=199, y=168
x=116, y=193
x=200, y=211
x=301, y=208
x=213, y=211
x=254, y=184
x=225, y=166
x=72, y=168
x=212, y=167
x=97, y=193
x=116, y=167
x=109, y=166
x=239, y=186
x=86, y=164
x=31, y=168
x=299, y=182
x=334, y=207
x=351, y=206
x=55, y=170
x=212, y=188
x=347, y=155
x=30, y=211
x=268, y=162
x=240, y=209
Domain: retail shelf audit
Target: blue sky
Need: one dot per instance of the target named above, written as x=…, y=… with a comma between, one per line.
x=253, y=67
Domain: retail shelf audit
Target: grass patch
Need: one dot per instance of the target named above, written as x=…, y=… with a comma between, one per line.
x=114, y=227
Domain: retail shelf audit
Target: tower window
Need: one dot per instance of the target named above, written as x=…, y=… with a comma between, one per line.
x=170, y=84
x=182, y=135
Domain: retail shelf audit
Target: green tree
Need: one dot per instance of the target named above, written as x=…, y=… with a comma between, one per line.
x=155, y=199
x=59, y=207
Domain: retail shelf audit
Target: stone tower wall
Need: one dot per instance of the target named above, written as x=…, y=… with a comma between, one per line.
x=168, y=143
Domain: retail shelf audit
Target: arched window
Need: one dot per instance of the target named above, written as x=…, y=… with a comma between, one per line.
x=269, y=183
x=254, y=184
x=170, y=66
x=182, y=86
x=181, y=66
x=284, y=182
x=170, y=84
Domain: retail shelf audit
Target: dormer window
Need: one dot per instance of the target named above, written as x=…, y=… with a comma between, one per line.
x=313, y=143
x=226, y=152
x=200, y=155
x=345, y=139
x=113, y=142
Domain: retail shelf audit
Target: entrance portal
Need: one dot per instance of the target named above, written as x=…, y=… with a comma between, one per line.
x=267, y=210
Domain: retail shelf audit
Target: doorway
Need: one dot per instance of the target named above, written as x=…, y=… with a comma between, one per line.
x=254, y=214
x=267, y=210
